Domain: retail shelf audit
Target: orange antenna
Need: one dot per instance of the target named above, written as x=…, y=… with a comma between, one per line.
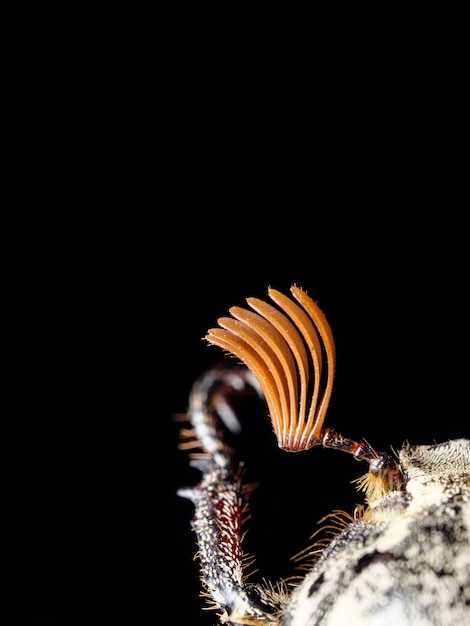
x=285, y=348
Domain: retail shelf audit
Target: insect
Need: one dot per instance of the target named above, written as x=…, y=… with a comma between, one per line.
x=401, y=558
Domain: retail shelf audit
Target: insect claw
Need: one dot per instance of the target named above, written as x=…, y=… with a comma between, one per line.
x=228, y=416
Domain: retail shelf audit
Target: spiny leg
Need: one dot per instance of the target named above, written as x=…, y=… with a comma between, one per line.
x=221, y=502
x=284, y=350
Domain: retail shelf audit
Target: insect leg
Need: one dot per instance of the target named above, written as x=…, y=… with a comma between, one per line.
x=221, y=500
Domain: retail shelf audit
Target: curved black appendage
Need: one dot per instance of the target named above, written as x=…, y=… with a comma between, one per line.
x=221, y=499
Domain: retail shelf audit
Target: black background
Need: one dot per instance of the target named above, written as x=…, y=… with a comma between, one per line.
x=152, y=222
x=95, y=531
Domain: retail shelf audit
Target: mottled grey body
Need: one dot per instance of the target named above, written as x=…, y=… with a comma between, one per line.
x=407, y=562
x=403, y=560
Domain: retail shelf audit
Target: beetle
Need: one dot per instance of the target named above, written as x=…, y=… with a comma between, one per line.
x=403, y=557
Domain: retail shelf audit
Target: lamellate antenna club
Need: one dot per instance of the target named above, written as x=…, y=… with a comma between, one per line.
x=403, y=557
